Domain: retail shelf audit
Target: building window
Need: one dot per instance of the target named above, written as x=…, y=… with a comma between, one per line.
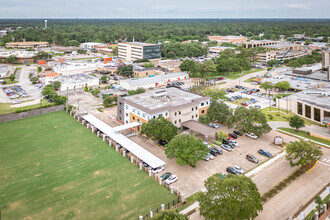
x=326, y=114
x=133, y=118
x=166, y=114
x=300, y=108
x=203, y=111
x=192, y=109
x=126, y=122
x=179, y=120
x=175, y=122
x=179, y=112
x=138, y=112
x=192, y=116
x=307, y=111
x=196, y=115
x=207, y=103
x=174, y=113
x=138, y=120
x=119, y=111
x=119, y=118
x=196, y=107
x=202, y=104
x=317, y=114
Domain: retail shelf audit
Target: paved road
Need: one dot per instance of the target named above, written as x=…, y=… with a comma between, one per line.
x=297, y=194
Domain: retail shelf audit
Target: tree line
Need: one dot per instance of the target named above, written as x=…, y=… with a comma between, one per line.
x=72, y=32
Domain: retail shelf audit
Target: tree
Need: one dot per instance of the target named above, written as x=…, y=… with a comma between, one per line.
x=109, y=100
x=222, y=135
x=169, y=214
x=115, y=50
x=294, y=63
x=137, y=91
x=229, y=197
x=302, y=153
x=219, y=111
x=34, y=79
x=12, y=77
x=228, y=52
x=149, y=65
x=283, y=85
x=104, y=79
x=266, y=86
x=318, y=201
x=272, y=62
x=48, y=91
x=208, y=67
x=11, y=59
x=86, y=88
x=187, y=149
x=41, y=55
x=249, y=120
x=81, y=51
x=187, y=65
x=39, y=68
x=204, y=119
x=56, y=85
x=59, y=99
x=296, y=122
x=159, y=129
x=125, y=70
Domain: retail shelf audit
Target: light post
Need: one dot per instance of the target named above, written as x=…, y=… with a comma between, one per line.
x=1, y=209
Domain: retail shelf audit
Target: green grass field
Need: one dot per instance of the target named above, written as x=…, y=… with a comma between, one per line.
x=52, y=167
x=5, y=107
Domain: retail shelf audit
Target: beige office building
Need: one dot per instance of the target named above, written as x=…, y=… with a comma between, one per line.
x=173, y=104
x=131, y=51
x=27, y=44
x=325, y=59
x=278, y=54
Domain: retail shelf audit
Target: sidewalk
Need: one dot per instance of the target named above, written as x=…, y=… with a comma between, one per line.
x=311, y=206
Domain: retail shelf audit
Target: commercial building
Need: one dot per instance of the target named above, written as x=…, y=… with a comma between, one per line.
x=228, y=39
x=259, y=43
x=318, y=46
x=219, y=49
x=325, y=59
x=131, y=51
x=284, y=46
x=170, y=66
x=312, y=104
x=176, y=105
x=27, y=44
x=143, y=72
x=93, y=46
x=23, y=57
x=278, y=54
x=49, y=78
x=152, y=82
x=75, y=81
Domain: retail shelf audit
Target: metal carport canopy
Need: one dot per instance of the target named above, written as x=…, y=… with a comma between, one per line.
x=134, y=148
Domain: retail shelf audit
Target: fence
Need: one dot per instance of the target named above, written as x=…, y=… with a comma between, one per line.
x=320, y=212
x=30, y=113
x=136, y=161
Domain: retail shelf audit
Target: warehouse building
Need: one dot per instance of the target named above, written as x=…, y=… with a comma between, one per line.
x=174, y=104
x=151, y=82
x=74, y=81
x=278, y=54
x=27, y=44
x=139, y=71
x=131, y=51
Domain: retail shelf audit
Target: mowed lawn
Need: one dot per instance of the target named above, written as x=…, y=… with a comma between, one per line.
x=52, y=167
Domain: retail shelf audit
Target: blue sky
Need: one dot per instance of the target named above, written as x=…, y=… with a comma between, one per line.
x=164, y=9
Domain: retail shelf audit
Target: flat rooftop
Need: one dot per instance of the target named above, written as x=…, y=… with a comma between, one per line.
x=281, y=45
x=139, y=44
x=319, y=97
x=75, y=78
x=156, y=79
x=164, y=99
x=260, y=41
x=18, y=53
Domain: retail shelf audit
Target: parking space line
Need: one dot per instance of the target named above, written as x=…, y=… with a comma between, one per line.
x=324, y=163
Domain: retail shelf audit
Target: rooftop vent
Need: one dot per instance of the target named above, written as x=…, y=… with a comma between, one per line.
x=160, y=94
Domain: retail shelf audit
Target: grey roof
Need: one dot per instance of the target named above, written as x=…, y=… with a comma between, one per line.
x=173, y=99
x=3, y=69
x=155, y=79
x=199, y=127
x=75, y=78
x=318, y=97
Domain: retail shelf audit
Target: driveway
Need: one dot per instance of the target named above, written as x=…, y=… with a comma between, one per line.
x=297, y=194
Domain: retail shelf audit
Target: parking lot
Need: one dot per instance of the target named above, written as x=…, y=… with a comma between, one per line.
x=191, y=180
x=261, y=100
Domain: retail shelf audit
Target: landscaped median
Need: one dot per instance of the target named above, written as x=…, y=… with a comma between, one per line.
x=304, y=135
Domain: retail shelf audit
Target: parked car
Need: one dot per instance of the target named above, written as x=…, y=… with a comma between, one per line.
x=226, y=147
x=207, y=145
x=251, y=135
x=237, y=132
x=208, y=157
x=233, y=136
x=243, y=103
x=171, y=179
x=265, y=153
x=239, y=169
x=162, y=142
x=158, y=169
x=215, y=151
x=17, y=101
x=233, y=143
x=252, y=158
x=165, y=176
x=232, y=170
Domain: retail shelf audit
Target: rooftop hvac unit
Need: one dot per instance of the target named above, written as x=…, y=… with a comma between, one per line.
x=159, y=94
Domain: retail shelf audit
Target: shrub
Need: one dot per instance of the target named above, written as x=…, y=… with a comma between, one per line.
x=218, y=143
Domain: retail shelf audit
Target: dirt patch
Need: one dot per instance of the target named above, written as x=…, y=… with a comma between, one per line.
x=38, y=174
x=97, y=172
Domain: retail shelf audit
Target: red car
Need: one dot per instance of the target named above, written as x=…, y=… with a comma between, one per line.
x=244, y=104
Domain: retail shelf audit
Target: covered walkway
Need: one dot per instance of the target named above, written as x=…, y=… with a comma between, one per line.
x=199, y=128
x=117, y=138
